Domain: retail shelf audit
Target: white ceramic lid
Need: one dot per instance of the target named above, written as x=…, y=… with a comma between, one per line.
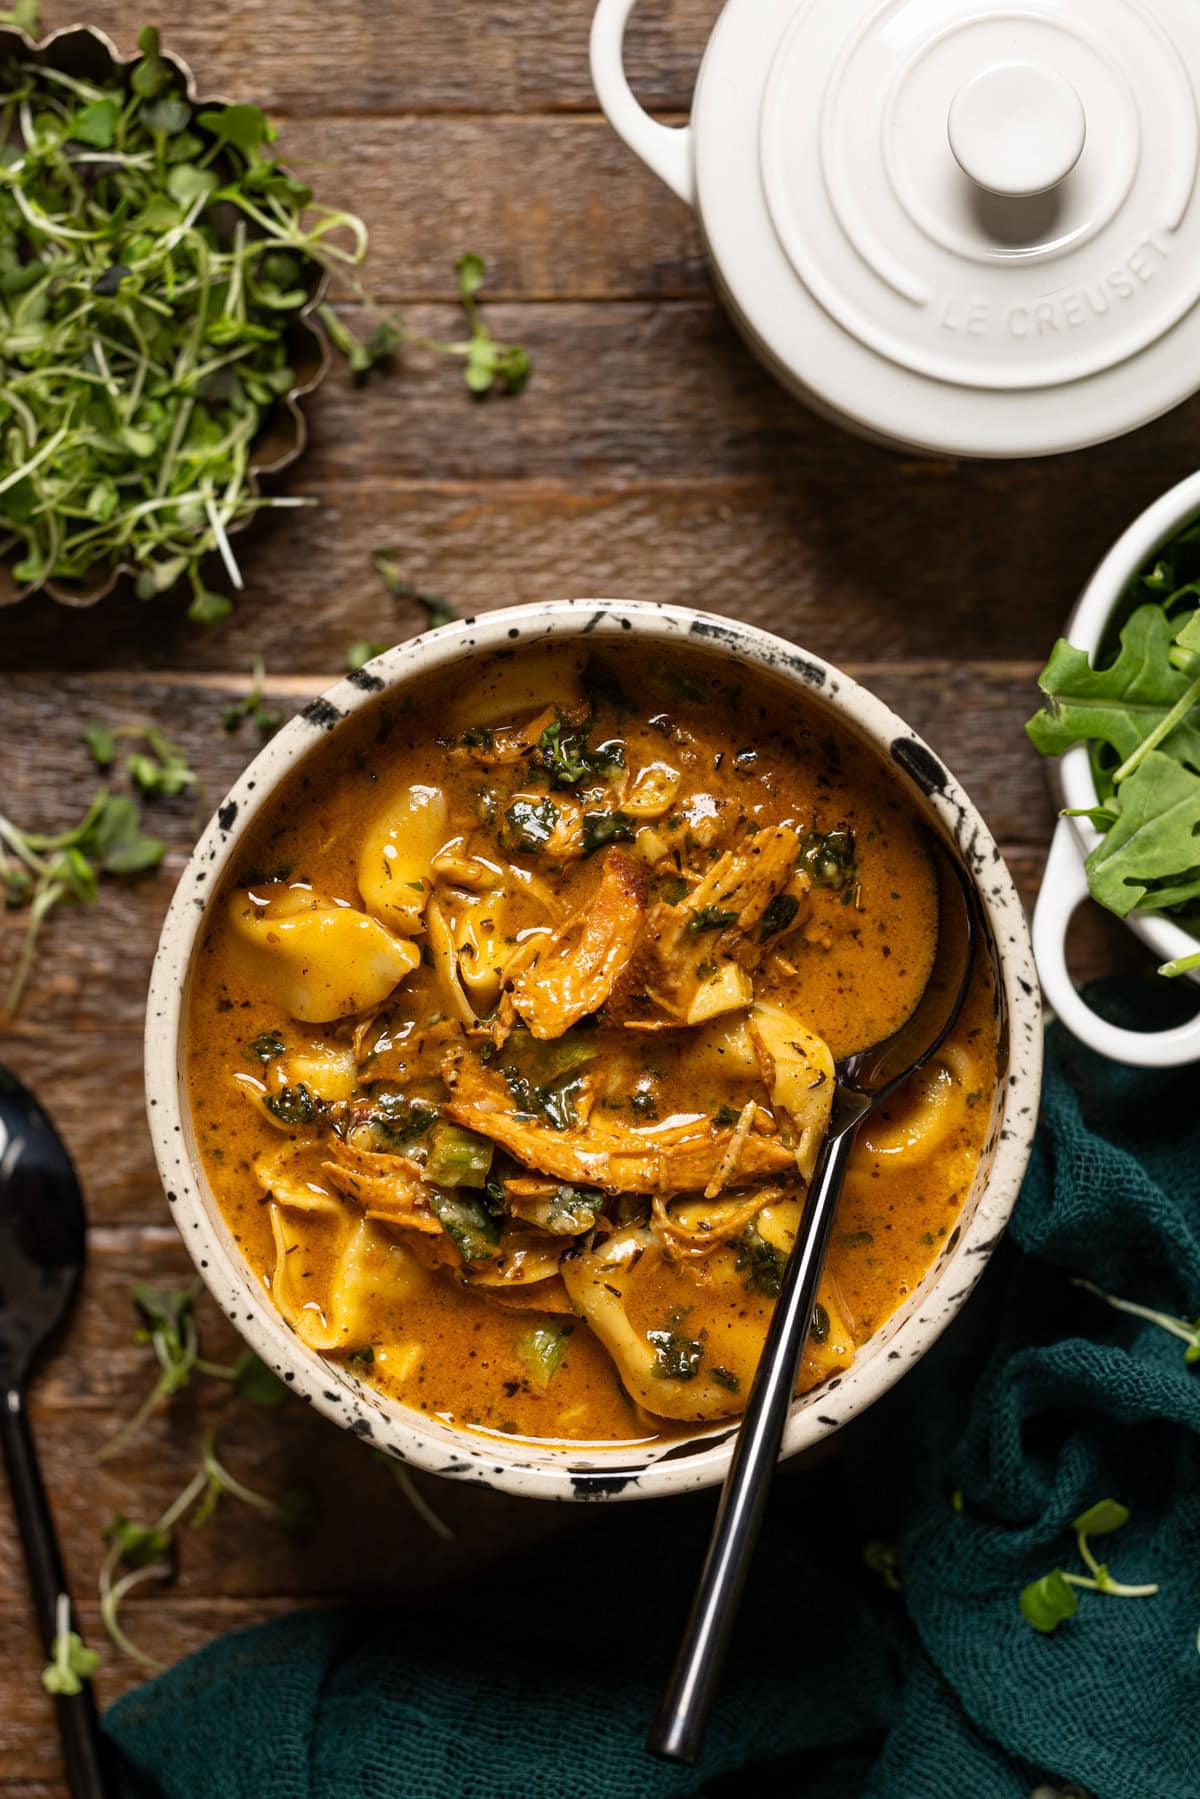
x=967, y=226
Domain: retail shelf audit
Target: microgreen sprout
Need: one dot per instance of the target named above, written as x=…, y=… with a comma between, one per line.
x=168, y=1327
x=1181, y=966
x=486, y=361
x=40, y=871
x=70, y=1663
x=359, y=654
x=883, y=1559
x=1183, y=1328
x=437, y=609
x=158, y=768
x=415, y=1497
x=253, y=706
x=1048, y=1602
x=149, y=1551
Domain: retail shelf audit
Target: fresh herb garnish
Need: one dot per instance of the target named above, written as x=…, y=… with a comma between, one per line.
x=293, y=1105
x=644, y=1104
x=70, y=1663
x=1048, y=1602
x=1185, y=1329
x=725, y=1377
x=266, y=1046
x=362, y=1358
x=568, y=757
x=710, y=918
x=601, y=828
x=778, y=916
x=725, y=1117
x=532, y=824
x=763, y=1264
x=676, y=1357
x=437, y=609
x=675, y=890
x=829, y=859
x=253, y=706
x=553, y=1101
x=40, y=872
x=487, y=362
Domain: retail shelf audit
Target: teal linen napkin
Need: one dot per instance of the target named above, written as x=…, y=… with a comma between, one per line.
x=1039, y=1402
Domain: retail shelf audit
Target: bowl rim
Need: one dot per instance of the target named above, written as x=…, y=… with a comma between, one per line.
x=1071, y=775
x=590, y=1471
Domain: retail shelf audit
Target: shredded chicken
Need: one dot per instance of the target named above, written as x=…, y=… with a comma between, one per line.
x=607, y=1154
x=389, y=1187
x=577, y=968
x=693, y=1240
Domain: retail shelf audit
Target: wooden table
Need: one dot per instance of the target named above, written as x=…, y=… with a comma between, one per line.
x=650, y=458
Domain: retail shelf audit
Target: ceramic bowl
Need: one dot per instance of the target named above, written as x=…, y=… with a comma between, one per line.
x=1065, y=886
x=536, y=1469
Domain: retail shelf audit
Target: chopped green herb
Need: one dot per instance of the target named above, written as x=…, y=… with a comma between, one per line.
x=829, y=859
x=676, y=1357
x=676, y=890
x=363, y=1357
x=293, y=1105
x=763, y=1263
x=778, y=916
x=710, y=918
x=645, y=1105
x=553, y=1101
x=725, y=1117
x=601, y=828
x=266, y=1046
x=725, y=1377
x=531, y=825
x=437, y=609
x=568, y=758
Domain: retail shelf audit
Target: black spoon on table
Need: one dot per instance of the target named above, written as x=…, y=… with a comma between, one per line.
x=865, y=1082
x=42, y=1252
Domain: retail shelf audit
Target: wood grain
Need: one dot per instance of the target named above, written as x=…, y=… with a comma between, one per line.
x=650, y=458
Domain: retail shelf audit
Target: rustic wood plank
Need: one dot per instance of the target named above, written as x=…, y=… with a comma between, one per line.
x=510, y=55
x=865, y=559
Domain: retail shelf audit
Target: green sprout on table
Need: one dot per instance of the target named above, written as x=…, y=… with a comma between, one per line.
x=159, y=768
x=437, y=609
x=253, y=705
x=149, y=1552
x=1048, y=1602
x=1185, y=1329
x=70, y=1663
x=487, y=361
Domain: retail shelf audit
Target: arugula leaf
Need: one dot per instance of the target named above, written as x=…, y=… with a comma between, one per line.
x=1154, y=839
x=541, y=1350
x=1120, y=705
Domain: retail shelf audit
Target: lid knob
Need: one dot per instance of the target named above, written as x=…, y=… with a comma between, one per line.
x=1017, y=129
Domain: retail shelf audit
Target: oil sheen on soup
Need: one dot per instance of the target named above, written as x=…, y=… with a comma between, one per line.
x=511, y=1042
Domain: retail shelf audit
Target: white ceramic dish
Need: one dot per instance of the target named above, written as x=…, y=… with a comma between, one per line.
x=539, y=1469
x=1065, y=887
x=961, y=226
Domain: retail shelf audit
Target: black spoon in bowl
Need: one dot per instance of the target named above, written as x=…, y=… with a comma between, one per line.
x=42, y=1251
x=865, y=1082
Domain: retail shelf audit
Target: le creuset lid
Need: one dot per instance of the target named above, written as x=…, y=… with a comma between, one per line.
x=968, y=226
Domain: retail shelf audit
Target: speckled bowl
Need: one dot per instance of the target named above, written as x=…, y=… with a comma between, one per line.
x=532, y=1468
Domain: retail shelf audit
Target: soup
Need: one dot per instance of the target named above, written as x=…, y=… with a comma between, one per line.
x=512, y=1038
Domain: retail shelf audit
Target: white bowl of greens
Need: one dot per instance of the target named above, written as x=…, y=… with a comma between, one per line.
x=1123, y=714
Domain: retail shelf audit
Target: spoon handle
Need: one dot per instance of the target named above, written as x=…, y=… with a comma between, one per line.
x=90, y=1773
x=678, y=1730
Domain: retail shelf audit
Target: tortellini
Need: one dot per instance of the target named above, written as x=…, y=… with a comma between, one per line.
x=319, y=961
x=802, y=1081
x=394, y=862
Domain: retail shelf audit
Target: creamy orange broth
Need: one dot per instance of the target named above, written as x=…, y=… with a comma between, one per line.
x=426, y=968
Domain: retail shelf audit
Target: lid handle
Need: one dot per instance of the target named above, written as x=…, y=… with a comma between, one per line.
x=1017, y=129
